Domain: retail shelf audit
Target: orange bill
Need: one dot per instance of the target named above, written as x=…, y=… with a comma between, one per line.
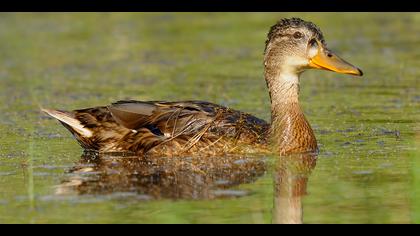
x=327, y=60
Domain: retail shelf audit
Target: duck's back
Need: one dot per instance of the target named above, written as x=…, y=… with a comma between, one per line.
x=165, y=128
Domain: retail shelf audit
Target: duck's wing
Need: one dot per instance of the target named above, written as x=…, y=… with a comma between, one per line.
x=139, y=126
x=176, y=118
x=170, y=118
x=189, y=121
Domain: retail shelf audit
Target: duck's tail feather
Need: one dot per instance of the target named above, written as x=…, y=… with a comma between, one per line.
x=70, y=122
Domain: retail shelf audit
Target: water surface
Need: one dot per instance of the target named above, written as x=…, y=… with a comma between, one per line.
x=368, y=129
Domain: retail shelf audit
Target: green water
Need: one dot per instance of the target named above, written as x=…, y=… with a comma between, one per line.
x=368, y=129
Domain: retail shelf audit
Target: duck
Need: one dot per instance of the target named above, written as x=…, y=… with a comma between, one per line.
x=163, y=128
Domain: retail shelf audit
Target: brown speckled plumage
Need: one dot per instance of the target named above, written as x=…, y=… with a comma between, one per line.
x=196, y=128
x=280, y=29
x=170, y=128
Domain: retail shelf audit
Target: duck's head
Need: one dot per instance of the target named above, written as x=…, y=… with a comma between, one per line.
x=294, y=45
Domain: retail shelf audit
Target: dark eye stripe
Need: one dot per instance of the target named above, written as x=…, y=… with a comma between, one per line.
x=313, y=42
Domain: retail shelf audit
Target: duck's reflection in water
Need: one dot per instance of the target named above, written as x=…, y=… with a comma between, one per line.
x=192, y=178
x=158, y=178
x=290, y=182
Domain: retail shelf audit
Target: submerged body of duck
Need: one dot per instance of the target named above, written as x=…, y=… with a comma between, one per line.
x=196, y=127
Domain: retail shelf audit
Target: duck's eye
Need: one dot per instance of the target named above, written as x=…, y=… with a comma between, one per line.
x=297, y=35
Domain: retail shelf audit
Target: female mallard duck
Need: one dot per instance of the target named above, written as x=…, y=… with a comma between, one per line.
x=196, y=127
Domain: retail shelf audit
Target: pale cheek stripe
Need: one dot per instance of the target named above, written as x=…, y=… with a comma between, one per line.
x=313, y=51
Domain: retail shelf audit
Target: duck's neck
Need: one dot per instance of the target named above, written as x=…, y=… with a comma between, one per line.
x=290, y=131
